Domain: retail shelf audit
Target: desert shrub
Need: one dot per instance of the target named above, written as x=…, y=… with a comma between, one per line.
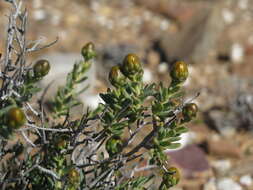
x=48, y=149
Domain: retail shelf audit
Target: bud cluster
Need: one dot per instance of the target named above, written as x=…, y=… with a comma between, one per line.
x=131, y=69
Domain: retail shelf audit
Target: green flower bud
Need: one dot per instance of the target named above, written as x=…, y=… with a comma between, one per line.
x=179, y=72
x=73, y=176
x=113, y=145
x=190, y=111
x=171, y=177
x=116, y=77
x=88, y=51
x=62, y=142
x=132, y=66
x=15, y=118
x=41, y=68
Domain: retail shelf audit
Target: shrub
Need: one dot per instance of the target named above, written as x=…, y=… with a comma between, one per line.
x=93, y=151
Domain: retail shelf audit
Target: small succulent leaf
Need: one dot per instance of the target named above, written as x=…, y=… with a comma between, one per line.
x=107, y=98
x=173, y=146
x=181, y=130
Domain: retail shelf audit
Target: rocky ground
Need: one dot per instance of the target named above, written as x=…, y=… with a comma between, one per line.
x=214, y=37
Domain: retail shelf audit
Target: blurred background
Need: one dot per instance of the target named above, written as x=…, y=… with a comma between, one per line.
x=215, y=37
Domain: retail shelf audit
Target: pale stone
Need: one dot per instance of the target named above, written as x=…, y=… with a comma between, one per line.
x=246, y=180
x=228, y=16
x=237, y=53
x=243, y=4
x=210, y=185
x=164, y=24
x=221, y=166
x=147, y=76
x=92, y=100
x=163, y=67
x=228, y=184
x=39, y=14
x=37, y=4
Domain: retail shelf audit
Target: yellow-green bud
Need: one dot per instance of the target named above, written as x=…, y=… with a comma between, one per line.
x=131, y=66
x=41, y=68
x=15, y=118
x=73, y=176
x=171, y=177
x=190, y=111
x=116, y=78
x=88, y=51
x=179, y=71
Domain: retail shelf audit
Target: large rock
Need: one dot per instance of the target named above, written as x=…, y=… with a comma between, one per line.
x=199, y=27
x=192, y=160
x=224, y=148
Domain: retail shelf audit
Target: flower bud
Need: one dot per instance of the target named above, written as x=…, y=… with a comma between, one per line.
x=190, y=111
x=171, y=177
x=179, y=72
x=88, y=51
x=113, y=145
x=131, y=66
x=73, y=176
x=15, y=118
x=116, y=77
x=62, y=142
x=41, y=68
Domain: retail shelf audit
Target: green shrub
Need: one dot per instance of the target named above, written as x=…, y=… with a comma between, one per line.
x=93, y=151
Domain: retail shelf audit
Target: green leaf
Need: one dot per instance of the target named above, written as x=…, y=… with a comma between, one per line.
x=108, y=117
x=82, y=79
x=149, y=90
x=34, y=90
x=173, y=146
x=173, y=139
x=164, y=143
x=125, y=93
x=173, y=89
x=157, y=107
x=83, y=90
x=181, y=130
x=165, y=114
x=108, y=98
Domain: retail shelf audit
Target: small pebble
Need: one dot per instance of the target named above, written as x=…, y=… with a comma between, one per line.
x=95, y=6
x=250, y=39
x=164, y=25
x=37, y=4
x=56, y=18
x=246, y=180
x=222, y=165
x=210, y=185
x=147, y=15
x=243, y=4
x=39, y=14
x=237, y=53
x=163, y=67
x=228, y=16
x=228, y=184
x=147, y=76
x=92, y=100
